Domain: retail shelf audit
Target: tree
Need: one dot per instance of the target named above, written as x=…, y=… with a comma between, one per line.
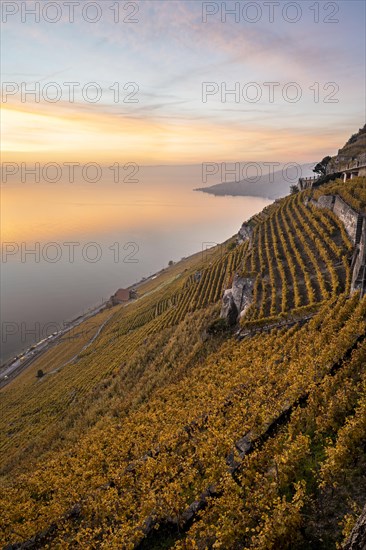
x=294, y=189
x=170, y=263
x=40, y=373
x=321, y=167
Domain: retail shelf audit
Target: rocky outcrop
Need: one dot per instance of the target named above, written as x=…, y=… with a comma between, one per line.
x=357, y=538
x=351, y=155
x=229, y=311
x=237, y=299
x=242, y=292
x=245, y=233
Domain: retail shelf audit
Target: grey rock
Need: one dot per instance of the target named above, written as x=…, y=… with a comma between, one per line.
x=229, y=311
x=237, y=299
x=242, y=291
x=243, y=445
x=357, y=538
x=245, y=233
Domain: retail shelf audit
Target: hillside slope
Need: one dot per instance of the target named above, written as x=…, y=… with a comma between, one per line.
x=173, y=430
x=352, y=152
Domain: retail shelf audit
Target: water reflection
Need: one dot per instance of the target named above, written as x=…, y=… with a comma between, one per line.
x=69, y=246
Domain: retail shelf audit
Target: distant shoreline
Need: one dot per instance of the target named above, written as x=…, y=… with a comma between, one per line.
x=31, y=353
x=210, y=191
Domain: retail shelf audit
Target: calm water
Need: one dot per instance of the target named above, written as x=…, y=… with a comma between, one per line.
x=68, y=246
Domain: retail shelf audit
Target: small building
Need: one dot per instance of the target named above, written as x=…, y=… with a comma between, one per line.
x=122, y=295
x=354, y=170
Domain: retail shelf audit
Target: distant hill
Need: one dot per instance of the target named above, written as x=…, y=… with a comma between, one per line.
x=271, y=185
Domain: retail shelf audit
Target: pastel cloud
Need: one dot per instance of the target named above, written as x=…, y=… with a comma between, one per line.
x=169, y=53
x=74, y=135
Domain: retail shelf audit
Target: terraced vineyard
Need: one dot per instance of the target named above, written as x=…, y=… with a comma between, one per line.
x=300, y=255
x=159, y=432
x=354, y=193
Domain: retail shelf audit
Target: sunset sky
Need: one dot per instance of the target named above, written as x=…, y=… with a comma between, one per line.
x=168, y=54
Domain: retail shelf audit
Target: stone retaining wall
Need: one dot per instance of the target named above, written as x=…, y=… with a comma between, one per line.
x=347, y=215
x=359, y=265
x=355, y=225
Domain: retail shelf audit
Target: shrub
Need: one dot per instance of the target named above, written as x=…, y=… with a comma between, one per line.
x=218, y=326
x=325, y=179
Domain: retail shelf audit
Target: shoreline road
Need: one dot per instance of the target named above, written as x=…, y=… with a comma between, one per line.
x=15, y=366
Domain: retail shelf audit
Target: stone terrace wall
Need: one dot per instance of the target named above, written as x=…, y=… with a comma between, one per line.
x=358, y=278
x=347, y=215
x=355, y=224
x=326, y=201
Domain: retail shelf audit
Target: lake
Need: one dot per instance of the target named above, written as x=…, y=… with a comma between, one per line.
x=67, y=247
